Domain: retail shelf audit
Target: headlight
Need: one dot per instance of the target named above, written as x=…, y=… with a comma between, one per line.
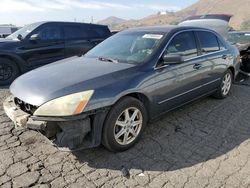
x=65, y=106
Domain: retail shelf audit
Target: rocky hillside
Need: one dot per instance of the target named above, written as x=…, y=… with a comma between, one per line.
x=170, y=18
x=240, y=9
x=112, y=21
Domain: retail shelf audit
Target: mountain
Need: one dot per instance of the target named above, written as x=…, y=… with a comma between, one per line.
x=150, y=20
x=239, y=9
x=111, y=21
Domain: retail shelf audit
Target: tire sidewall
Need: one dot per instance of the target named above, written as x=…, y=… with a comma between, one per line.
x=108, y=130
x=15, y=71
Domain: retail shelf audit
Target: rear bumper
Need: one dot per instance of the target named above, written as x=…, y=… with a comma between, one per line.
x=66, y=132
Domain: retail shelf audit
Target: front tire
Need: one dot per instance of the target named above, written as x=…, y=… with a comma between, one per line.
x=225, y=86
x=8, y=71
x=124, y=124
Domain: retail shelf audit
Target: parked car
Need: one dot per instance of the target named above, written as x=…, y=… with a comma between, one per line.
x=219, y=23
x=241, y=39
x=110, y=94
x=45, y=42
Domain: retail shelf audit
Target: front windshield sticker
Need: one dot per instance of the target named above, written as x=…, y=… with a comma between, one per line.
x=247, y=34
x=152, y=36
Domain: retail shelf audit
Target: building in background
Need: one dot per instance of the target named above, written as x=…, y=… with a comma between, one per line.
x=7, y=29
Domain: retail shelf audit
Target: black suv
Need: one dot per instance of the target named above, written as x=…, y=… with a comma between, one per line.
x=46, y=42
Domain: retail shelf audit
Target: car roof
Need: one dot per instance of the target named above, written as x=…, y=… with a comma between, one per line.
x=164, y=29
x=62, y=22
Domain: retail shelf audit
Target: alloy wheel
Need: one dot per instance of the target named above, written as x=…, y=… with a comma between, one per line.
x=128, y=126
x=226, y=84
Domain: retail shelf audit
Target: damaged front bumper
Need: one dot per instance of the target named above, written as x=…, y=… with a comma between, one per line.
x=19, y=117
x=67, y=133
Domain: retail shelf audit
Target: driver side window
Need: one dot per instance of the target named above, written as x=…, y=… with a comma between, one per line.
x=183, y=44
x=49, y=33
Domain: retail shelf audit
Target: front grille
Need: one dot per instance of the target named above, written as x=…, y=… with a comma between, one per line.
x=30, y=109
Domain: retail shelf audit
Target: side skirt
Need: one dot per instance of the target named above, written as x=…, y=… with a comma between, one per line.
x=176, y=107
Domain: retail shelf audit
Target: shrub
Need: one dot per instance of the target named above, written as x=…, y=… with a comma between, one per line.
x=245, y=25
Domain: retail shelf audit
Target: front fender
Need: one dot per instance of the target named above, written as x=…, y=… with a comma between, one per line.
x=136, y=82
x=130, y=93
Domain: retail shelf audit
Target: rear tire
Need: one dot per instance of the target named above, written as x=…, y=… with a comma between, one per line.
x=8, y=71
x=225, y=86
x=124, y=124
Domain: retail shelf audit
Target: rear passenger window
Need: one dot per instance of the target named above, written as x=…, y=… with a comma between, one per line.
x=75, y=32
x=184, y=44
x=98, y=32
x=103, y=31
x=94, y=34
x=209, y=42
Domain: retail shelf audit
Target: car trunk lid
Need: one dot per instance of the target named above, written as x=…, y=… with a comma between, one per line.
x=216, y=22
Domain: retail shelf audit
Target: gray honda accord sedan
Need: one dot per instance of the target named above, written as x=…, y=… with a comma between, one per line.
x=110, y=94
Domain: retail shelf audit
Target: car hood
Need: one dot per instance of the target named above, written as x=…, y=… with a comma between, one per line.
x=4, y=40
x=7, y=44
x=63, y=78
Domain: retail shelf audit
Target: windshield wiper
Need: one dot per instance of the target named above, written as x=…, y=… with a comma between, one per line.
x=107, y=59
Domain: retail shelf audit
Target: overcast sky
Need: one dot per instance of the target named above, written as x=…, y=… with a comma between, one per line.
x=21, y=12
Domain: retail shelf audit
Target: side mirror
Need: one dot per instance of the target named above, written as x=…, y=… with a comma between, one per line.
x=19, y=37
x=34, y=37
x=172, y=58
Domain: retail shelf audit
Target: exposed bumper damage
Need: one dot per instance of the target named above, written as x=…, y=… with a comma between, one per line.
x=66, y=133
x=244, y=50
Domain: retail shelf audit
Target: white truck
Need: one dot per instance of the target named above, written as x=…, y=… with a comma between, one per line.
x=6, y=30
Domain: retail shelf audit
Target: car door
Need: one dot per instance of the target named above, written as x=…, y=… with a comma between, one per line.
x=214, y=57
x=176, y=84
x=77, y=40
x=44, y=45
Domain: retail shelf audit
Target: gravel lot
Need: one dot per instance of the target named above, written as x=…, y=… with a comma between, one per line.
x=205, y=144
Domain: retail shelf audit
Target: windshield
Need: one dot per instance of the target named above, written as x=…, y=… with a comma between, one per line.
x=241, y=38
x=132, y=48
x=24, y=31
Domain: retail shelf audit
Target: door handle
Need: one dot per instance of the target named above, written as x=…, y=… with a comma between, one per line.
x=197, y=66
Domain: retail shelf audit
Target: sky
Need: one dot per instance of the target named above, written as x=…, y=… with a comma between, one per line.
x=22, y=12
